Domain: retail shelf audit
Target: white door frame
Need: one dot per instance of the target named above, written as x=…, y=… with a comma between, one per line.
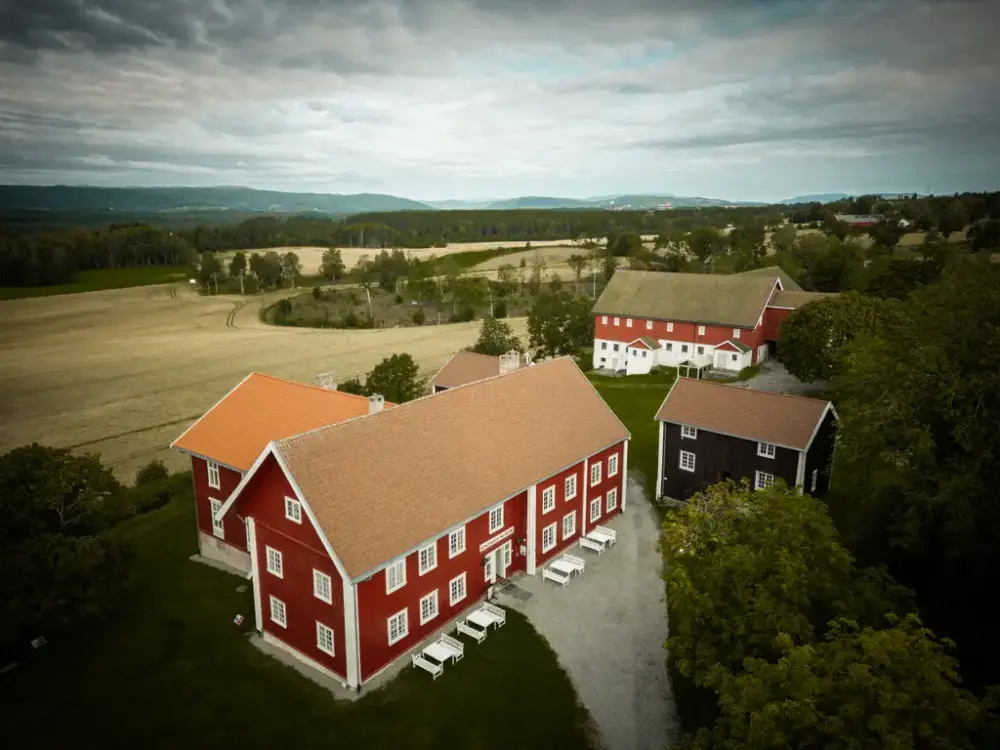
x=504, y=559
x=490, y=572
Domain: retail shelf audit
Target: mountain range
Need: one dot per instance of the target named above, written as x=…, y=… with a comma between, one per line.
x=176, y=200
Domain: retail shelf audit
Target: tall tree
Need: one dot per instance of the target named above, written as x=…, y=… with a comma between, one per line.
x=577, y=264
x=397, y=378
x=209, y=271
x=332, y=266
x=496, y=338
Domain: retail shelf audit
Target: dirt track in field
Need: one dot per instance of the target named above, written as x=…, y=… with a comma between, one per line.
x=123, y=372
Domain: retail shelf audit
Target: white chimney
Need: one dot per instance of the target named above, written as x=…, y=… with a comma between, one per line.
x=510, y=361
x=327, y=380
x=376, y=403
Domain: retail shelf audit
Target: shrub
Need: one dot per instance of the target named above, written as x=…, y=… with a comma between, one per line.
x=748, y=372
x=500, y=309
x=284, y=307
x=419, y=317
x=399, y=299
x=151, y=473
x=464, y=314
x=350, y=320
x=316, y=293
x=352, y=297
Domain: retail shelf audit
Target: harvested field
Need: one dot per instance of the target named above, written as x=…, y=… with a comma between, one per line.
x=123, y=372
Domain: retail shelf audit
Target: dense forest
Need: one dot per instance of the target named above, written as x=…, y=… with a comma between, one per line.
x=32, y=258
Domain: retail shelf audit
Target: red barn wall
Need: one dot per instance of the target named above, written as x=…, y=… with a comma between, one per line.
x=683, y=332
x=773, y=318
x=234, y=528
x=601, y=488
x=375, y=607
x=302, y=551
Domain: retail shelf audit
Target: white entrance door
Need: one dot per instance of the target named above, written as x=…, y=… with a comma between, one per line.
x=503, y=559
x=490, y=569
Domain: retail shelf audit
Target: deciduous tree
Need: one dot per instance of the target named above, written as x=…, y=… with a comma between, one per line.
x=496, y=338
x=332, y=266
x=397, y=378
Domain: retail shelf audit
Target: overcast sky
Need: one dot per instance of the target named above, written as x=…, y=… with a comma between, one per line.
x=436, y=99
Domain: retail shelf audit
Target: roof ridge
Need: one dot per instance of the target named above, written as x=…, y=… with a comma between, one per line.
x=755, y=391
x=288, y=381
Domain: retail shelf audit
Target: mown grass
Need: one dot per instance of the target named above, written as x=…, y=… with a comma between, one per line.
x=173, y=671
x=100, y=279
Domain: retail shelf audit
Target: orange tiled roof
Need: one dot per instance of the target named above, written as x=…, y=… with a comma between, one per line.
x=263, y=408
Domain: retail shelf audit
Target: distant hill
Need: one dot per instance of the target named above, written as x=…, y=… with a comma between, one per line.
x=816, y=198
x=538, y=201
x=638, y=202
x=187, y=199
x=459, y=205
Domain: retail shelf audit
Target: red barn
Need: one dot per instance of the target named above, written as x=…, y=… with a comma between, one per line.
x=224, y=443
x=370, y=536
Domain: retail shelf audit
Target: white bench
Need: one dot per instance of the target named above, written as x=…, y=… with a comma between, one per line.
x=611, y=534
x=499, y=614
x=435, y=669
x=593, y=546
x=465, y=629
x=574, y=562
x=548, y=573
x=455, y=646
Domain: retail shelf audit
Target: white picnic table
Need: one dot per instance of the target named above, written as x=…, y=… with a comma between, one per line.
x=482, y=619
x=439, y=652
x=561, y=566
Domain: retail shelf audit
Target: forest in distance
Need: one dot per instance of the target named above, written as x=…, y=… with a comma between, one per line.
x=29, y=257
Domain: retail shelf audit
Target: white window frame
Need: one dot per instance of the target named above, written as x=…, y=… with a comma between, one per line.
x=649, y=325
x=595, y=504
x=452, y=599
x=293, y=510
x=277, y=607
x=701, y=330
x=595, y=473
x=402, y=631
x=684, y=455
x=549, y=532
x=453, y=549
x=321, y=579
x=688, y=432
x=766, y=450
x=762, y=480
x=218, y=527
x=569, y=487
x=549, y=499
x=670, y=327
x=496, y=512
x=432, y=597
x=274, y=556
x=628, y=322
x=736, y=333
x=213, y=471
x=321, y=630
x=567, y=533
x=616, y=321
x=613, y=465
x=611, y=500
x=429, y=553
x=815, y=479
x=604, y=319
x=397, y=569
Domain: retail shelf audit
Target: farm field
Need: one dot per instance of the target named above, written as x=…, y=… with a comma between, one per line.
x=123, y=372
x=100, y=279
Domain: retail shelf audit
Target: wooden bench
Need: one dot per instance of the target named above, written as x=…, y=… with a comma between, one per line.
x=454, y=645
x=611, y=534
x=425, y=664
x=590, y=544
x=548, y=573
x=479, y=635
x=576, y=562
x=497, y=612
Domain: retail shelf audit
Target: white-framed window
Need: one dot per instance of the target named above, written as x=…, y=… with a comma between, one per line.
x=649, y=325
x=701, y=350
x=765, y=450
x=429, y=607
x=213, y=475
x=815, y=479
x=595, y=509
x=548, y=499
x=736, y=333
x=456, y=542
x=763, y=480
x=496, y=519
x=612, y=500
x=324, y=638
x=570, y=487
x=668, y=345
x=278, y=613
x=456, y=589
x=684, y=348
x=734, y=357
x=604, y=345
x=687, y=461
x=595, y=473
x=613, y=465
x=604, y=319
x=644, y=353
x=701, y=330
x=628, y=322
x=548, y=537
x=274, y=562
x=428, y=557
x=322, y=586
x=293, y=510
x=399, y=626
x=488, y=569
x=395, y=575
x=617, y=321
x=218, y=528
x=689, y=432
x=614, y=347
x=670, y=327
x=569, y=525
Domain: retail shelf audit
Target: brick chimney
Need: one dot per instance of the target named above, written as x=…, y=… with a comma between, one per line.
x=510, y=361
x=327, y=380
x=376, y=403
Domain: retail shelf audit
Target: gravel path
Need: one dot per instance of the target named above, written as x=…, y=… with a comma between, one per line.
x=774, y=377
x=608, y=627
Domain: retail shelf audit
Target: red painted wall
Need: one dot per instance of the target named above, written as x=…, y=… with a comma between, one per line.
x=601, y=488
x=302, y=551
x=771, y=328
x=235, y=530
x=683, y=332
x=375, y=607
x=563, y=507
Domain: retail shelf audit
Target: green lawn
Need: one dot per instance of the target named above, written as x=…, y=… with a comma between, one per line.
x=98, y=279
x=173, y=671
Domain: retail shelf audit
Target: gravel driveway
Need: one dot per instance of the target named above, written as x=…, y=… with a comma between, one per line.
x=774, y=377
x=608, y=627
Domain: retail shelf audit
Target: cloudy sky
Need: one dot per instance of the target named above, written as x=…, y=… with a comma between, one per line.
x=432, y=99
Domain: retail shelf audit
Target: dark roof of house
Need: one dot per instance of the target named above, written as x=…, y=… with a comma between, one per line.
x=648, y=341
x=736, y=345
x=382, y=484
x=788, y=421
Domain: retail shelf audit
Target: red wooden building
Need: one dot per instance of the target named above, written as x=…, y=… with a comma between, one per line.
x=370, y=536
x=226, y=440
x=725, y=322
